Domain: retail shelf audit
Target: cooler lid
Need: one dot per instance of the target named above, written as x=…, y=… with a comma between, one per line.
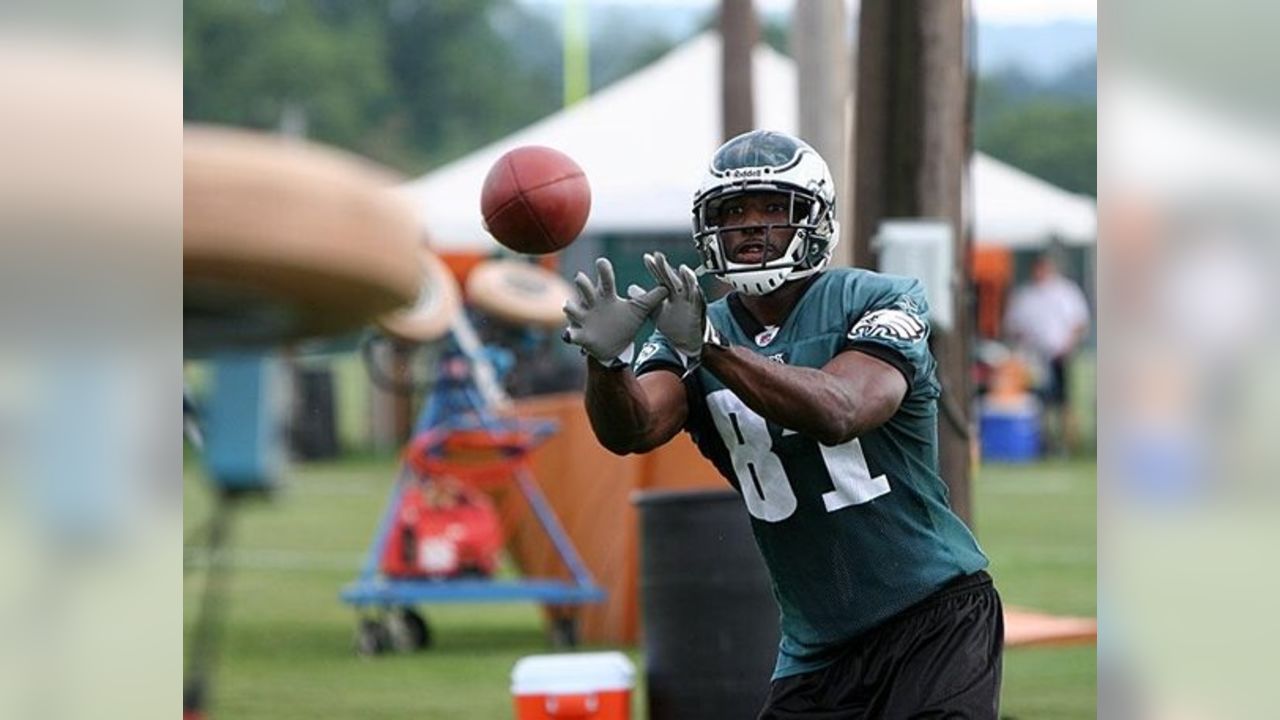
x=1022, y=405
x=572, y=673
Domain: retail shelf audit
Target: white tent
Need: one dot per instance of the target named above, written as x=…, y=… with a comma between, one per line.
x=644, y=142
x=1015, y=209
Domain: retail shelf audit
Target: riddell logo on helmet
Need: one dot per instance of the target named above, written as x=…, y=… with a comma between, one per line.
x=746, y=172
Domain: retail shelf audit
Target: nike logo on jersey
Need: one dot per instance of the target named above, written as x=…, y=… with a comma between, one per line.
x=767, y=336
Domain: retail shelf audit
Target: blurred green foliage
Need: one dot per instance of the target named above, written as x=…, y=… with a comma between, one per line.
x=1045, y=127
x=417, y=83
x=410, y=83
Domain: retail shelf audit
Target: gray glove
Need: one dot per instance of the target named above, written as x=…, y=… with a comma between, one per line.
x=600, y=322
x=682, y=318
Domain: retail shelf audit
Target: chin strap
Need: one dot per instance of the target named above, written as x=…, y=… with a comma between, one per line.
x=792, y=274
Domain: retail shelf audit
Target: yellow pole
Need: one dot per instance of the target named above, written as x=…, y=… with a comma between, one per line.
x=577, y=64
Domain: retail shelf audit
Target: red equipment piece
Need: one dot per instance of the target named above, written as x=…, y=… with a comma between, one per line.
x=442, y=529
x=483, y=458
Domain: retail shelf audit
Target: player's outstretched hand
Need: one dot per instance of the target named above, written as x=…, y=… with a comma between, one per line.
x=600, y=322
x=682, y=316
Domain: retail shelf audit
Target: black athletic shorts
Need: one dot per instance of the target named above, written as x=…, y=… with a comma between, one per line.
x=1055, y=391
x=940, y=658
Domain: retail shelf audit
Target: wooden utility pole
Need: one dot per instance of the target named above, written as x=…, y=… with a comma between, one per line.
x=739, y=32
x=819, y=42
x=912, y=137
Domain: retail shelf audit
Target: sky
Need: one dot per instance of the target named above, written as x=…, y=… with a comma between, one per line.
x=995, y=11
x=1011, y=11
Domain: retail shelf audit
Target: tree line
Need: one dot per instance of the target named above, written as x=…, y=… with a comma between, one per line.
x=417, y=83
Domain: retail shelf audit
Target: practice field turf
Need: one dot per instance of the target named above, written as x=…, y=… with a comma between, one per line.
x=287, y=645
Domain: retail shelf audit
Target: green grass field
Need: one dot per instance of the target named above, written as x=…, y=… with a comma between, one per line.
x=286, y=649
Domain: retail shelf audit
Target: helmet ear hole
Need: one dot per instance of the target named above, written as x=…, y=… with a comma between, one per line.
x=800, y=210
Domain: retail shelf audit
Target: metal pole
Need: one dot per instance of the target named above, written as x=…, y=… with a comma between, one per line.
x=210, y=622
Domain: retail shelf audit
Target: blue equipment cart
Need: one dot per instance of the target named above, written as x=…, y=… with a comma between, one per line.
x=462, y=399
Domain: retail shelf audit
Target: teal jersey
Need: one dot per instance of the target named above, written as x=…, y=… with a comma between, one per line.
x=852, y=533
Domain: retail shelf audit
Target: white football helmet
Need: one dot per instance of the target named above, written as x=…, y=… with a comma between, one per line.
x=768, y=161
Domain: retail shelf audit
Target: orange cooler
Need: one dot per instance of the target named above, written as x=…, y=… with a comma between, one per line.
x=585, y=686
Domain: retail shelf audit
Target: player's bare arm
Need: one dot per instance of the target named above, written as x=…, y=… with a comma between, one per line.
x=852, y=394
x=632, y=414
x=627, y=414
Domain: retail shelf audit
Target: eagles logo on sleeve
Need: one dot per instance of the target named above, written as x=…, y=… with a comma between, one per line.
x=889, y=324
x=647, y=351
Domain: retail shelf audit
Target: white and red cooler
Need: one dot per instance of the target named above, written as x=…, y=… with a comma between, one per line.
x=586, y=686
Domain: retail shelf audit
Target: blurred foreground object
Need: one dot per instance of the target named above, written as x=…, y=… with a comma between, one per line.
x=1190, y=168
x=285, y=241
x=90, y=506
x=282, y=242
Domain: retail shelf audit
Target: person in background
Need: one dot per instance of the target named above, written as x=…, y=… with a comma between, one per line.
x=1048, y=317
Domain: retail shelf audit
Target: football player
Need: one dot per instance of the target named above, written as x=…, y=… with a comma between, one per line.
x=814, y=393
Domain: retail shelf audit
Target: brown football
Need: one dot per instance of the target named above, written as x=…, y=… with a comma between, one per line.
x=535, y=200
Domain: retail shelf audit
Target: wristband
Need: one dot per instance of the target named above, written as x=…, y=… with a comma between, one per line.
x=622, y=360
x=710, y=336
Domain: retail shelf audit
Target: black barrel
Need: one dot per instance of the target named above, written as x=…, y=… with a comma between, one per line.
x=710, y=620
x=315, y=424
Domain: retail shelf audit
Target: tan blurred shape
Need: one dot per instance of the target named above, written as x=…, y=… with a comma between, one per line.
x=285, y=240
x=519, y=293
x=439, y=302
